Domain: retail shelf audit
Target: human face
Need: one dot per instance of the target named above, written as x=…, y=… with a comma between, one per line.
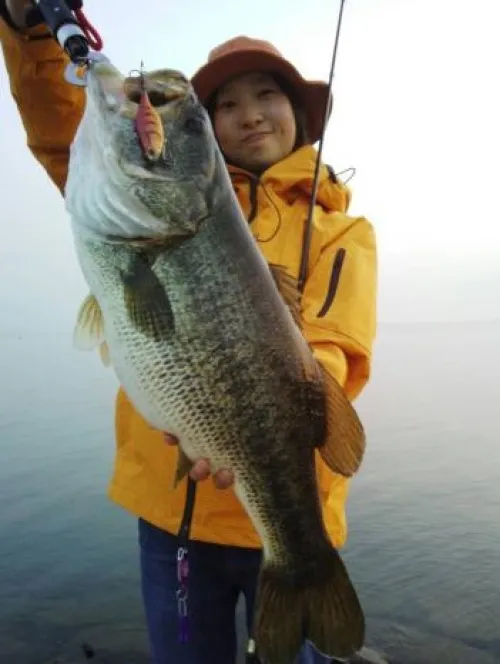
x=254, y=122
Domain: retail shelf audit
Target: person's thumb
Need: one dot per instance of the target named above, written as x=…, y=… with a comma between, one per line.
x=170, y=439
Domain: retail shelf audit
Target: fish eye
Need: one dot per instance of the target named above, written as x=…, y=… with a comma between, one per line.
x=193, y=124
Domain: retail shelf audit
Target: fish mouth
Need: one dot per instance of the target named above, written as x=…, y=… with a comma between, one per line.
x=150, y=100
x=123, y=94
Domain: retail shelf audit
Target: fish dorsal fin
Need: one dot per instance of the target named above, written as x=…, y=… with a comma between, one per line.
x=289, y=288
x=89, y=328
x=344, y=445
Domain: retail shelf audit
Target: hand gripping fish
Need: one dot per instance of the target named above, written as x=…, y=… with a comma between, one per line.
x=205, y=338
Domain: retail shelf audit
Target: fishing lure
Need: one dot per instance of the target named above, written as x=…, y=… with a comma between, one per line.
x=149, y=126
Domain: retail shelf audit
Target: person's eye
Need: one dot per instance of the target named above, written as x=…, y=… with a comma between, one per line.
x=226, y=105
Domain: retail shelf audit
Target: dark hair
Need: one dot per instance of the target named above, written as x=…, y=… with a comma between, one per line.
x=299, y=112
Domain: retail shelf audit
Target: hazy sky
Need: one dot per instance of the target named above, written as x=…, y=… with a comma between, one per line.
x=416, y=113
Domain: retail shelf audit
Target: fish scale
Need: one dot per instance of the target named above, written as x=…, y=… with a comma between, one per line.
x=217, y=362
x=204, y=338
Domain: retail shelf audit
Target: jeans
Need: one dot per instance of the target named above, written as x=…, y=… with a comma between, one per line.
x=218, y=575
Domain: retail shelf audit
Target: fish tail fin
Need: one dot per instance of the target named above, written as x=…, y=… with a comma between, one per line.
x=320, y=605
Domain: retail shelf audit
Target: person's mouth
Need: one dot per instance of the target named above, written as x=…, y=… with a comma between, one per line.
x=255, y=137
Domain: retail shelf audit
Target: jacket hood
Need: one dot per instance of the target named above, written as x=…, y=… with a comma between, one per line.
x=294, y=175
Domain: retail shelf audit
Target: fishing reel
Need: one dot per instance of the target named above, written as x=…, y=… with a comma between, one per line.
x=59, y=17
x=74, y=33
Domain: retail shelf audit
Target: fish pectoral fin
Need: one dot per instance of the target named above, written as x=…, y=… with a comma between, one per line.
x=89, y=329
x=289, y=289
x=345, y=441
x=104, y=354
x=184, y=465
x=146, y=301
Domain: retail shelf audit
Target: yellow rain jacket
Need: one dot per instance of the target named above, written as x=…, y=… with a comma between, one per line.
x=339, y=302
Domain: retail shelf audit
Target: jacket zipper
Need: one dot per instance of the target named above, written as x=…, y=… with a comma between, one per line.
x=334, y=282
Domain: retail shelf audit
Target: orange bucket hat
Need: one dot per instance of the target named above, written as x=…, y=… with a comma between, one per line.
x=242, y=55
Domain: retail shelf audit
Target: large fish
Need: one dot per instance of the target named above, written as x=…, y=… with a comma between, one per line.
x=205, y=339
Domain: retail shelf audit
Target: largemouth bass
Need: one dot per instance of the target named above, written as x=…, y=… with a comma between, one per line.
x=205, y=338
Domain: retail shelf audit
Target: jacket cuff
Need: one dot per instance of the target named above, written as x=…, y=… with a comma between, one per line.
x=36, y=44
x=5, y=14
x=35, y=33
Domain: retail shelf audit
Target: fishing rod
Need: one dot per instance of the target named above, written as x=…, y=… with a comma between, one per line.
x=306, y=246
x=63, y=24
x=252, y=654
x=71, y=29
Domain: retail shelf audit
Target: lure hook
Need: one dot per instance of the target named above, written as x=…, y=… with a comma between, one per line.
x=140, y=74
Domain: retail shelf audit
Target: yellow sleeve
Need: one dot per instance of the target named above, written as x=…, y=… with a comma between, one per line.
x=339, y=302
x=50, y=108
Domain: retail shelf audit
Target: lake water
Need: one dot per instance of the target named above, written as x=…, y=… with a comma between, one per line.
x=424, y=511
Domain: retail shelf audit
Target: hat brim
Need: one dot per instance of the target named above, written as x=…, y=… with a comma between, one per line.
x=313, y=95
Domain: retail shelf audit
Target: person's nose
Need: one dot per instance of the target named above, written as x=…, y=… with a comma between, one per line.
x=251, y=116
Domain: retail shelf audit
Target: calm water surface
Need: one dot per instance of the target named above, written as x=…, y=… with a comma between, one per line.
x=424, y=512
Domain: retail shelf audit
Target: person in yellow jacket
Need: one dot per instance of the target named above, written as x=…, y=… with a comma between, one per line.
x=266, y=118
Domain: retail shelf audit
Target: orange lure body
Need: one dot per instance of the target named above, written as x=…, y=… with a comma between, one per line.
x=149, y=128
